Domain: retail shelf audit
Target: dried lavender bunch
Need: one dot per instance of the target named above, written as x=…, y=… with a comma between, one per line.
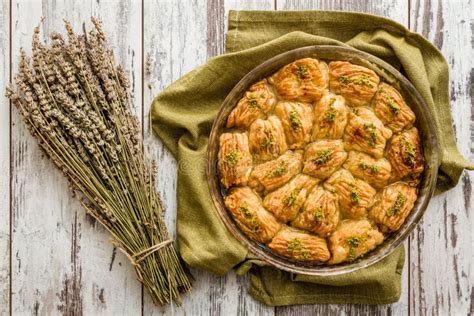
x=75, y=102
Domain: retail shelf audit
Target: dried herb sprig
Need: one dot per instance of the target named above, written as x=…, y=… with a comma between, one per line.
x=75, y=101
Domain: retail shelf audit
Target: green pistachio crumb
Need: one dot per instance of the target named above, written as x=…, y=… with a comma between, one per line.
x=373, y=169
x=293, y=197
x=302, y=72
x=409, y=152
x=295, y=247
x=355, y=194
x=361, y=81
x=323, y=156
x=249, y=217
x=318, y=215
x=295, y=120
x=269, y=138
x=232, y=158
x=397, y=206
x=280, y=169
x=392, y=105
x=372, y=130
x=331, y=112
x=344, y=80
x=353, y=243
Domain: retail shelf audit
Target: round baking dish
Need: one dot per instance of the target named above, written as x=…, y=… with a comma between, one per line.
x=424, y=124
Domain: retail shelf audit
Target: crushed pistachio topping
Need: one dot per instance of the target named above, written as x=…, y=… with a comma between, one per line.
x=249, y=217
x=295, y=247
x=318, y=215
x=363, y=81
x=409, y=152
x=344, y=80
x=302, y=72
x=253, y=103
x=373, y=169
x=392, y=105
x=269, y=138
x=280, y=169
x=323, y=156
x=331, y=112
x=397, y=206
x=291, y=199
x=232, y=158
x=354, y=194
x=372, y=130
x=295, y=120
x=360, y=81
x=353, y=243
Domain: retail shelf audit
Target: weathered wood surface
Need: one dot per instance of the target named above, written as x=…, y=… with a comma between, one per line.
x=62, y=262
x=4, y=161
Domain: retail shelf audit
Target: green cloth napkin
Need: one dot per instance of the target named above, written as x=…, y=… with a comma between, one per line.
x=182, y=117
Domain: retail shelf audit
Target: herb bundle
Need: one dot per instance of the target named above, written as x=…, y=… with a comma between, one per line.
x=75, y=102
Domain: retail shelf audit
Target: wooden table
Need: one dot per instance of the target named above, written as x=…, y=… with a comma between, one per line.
x=54, y=259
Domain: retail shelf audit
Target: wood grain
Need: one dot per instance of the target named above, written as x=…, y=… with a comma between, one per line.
x=4, y=161
x=441, y=248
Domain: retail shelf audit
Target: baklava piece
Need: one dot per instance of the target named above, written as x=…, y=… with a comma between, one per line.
x=297, y=121
x=301, y=246
x=256, y=103
x=391, y=109
x=353, y=239
x=355, y=196
x=267, y=139
x=320, y=213
x=374, y=171
x=330, y=117
x=305, y=80
x=365, y=132
x=249, y=214
x=275, y=173
x=286, y=201
x=323, y=157
x=405, y=155
x=234, y=159
x=355, y=83
x=393, y=205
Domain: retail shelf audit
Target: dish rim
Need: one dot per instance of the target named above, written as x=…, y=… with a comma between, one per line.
x=428, y=135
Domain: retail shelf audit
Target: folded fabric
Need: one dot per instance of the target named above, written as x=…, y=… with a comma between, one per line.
x=182, y=117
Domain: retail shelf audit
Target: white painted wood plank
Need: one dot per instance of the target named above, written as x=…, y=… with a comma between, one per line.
x=441, y=248
x=4, y=161
x=396, y=10
x=175, y=47
x=62, y=260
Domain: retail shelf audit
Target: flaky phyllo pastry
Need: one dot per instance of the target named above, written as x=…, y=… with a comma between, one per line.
x=235, y=161
x=330, y=117
x=286, y=201
x=391, y=109
x=323, y=157
x=299, y=245
x=256, y=103
x=267, y=139
x=252, y=218
x=297, y=120
x=353, y=239
x=304, y=80
x=355, y=83
x=320, y=162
